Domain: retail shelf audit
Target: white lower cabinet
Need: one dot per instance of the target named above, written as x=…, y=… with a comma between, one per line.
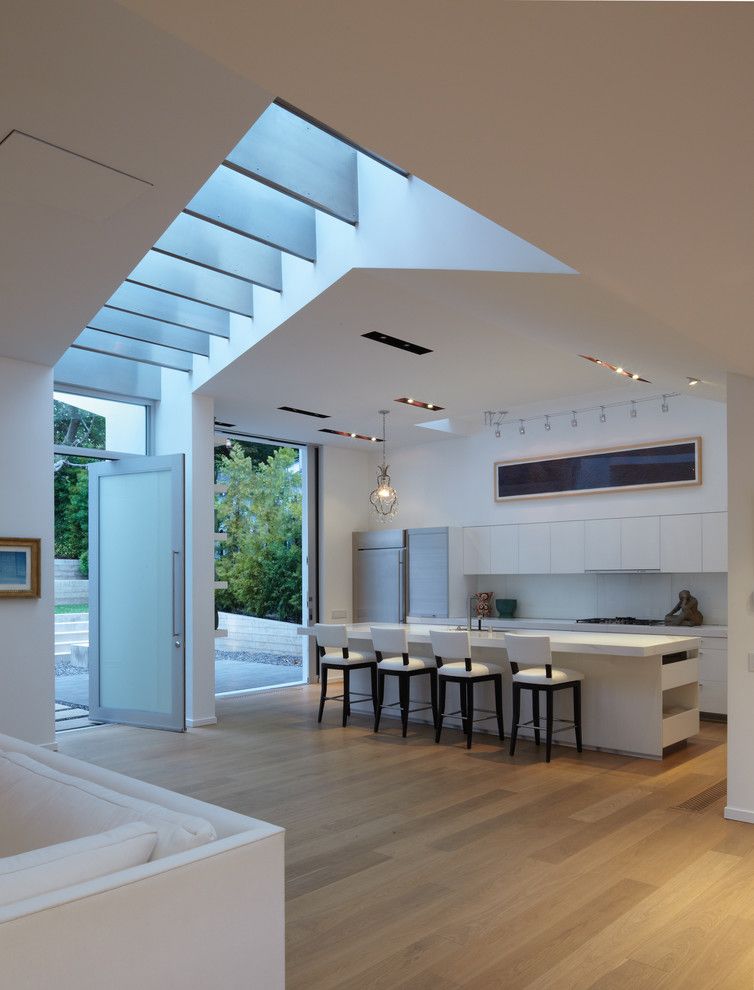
x=713, y=676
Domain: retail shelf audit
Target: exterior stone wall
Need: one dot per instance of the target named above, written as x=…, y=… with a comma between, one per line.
x=259, y=635
x=70, y=587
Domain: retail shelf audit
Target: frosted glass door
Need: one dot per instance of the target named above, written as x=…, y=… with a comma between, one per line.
x=136, y=652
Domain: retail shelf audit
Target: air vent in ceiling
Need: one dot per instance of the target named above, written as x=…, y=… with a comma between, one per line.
x=402, y=345
x=304, y=412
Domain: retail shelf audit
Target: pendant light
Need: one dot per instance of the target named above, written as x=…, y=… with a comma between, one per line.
x=384, y=498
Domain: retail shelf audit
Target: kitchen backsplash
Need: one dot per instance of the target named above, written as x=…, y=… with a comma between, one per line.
x=581, y=596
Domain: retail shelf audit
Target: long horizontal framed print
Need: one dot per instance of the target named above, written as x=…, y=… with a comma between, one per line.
x=655, y=464
x=19, y=567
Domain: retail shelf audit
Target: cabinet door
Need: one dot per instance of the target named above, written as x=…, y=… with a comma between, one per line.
x=602, y=545
x=476, y=550
x=567, y=547
x=534, y=548
x=715, y=541
x=640, y=544
x=504, y=550
x=681, y=544
x=428, y=573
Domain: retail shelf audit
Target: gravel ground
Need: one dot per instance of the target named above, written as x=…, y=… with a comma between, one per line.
x=248, y=656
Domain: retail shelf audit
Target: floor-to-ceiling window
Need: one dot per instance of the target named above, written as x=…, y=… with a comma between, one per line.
x=260, y=564
x=87, y=429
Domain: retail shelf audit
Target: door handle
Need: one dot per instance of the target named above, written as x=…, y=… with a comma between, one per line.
x=177, y=623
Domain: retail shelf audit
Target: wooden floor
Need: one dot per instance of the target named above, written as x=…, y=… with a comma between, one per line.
x=418, y=866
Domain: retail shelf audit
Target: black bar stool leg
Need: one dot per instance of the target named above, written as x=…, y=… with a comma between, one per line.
x=346, y=695
x=470, y=713
x=373, y=675
x=516, y=716
x=499, y=706
x=535, y=713
x=380, y=699
x=462, y=704
x=322, y=690
x=577, y=713
x=404, y=690
x=433, y=695
x=440, y=708
x=548, y=700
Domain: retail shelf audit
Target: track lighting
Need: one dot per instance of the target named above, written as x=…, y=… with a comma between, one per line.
x=603, y=415
x=548, y=424
x=574, y=421
x=521, y=427
x=693, y=381
x=664, y=405
x=632, y=414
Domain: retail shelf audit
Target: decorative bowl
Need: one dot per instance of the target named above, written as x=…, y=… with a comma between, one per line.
x=506, y=607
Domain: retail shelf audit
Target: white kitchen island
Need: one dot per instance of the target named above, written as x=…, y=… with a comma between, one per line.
x=640, y=694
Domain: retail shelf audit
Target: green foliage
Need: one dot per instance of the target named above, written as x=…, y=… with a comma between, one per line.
x=74, y=427
x=261, y=513
x=71, y=511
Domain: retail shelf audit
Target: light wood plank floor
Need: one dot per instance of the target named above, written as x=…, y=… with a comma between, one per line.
x=418, y=866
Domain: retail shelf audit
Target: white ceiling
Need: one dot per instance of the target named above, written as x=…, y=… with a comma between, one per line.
x=498, y=340
x=96, y=80
x=617, y=137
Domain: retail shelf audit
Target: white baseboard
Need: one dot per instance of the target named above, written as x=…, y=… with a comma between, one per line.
x=53, y=746
x=738, y=814
x=197, y=723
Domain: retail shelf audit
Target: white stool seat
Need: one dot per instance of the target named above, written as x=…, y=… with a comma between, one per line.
x=414, y=663
x=333, y=660
x=478, y=669
x=538, y=675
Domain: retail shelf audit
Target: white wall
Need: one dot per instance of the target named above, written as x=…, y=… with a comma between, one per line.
x=450, y=482
x=740, y=598
x=27, y=662
x=346, y=479
x=184, y=423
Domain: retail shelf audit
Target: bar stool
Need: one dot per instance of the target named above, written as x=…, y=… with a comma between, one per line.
x=540, y=676
x=393, y=641
x=454, y=646
x=336, y=637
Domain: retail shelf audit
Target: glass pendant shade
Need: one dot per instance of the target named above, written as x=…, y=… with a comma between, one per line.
x=384, y=498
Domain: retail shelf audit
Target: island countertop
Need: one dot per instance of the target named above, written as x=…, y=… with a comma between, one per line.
x=561, y=641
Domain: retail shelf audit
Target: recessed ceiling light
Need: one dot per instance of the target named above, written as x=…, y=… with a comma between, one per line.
x=351, y=436
x=304, y=412
x=420, y=404
x=616, y=368
x=404, y=345
x=693, y=381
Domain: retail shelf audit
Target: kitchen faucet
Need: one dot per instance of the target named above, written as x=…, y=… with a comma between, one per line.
x=479, y=618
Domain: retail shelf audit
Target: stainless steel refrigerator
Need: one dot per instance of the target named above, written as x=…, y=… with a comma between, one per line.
x=379, y=576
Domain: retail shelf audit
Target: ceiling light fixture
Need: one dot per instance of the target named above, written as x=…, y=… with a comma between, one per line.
x=618, y=369
x=521, y=427
x=384, y=498
x=351, y=436
x=603, y=415
x=548, y=424
x=574, y=421
x=693, y=381
x=664, y=405
x=632, y=414
x=419, y=404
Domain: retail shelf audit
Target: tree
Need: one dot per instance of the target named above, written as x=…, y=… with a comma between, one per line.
x=73, y=427
x=261, y=513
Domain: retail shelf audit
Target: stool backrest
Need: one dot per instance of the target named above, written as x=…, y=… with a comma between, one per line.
x=531, y=651
x=390, y=640
x=331, y=635
x=450, y=645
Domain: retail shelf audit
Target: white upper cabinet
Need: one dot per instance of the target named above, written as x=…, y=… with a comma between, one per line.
x=476, y=550
x=602, y=545
x=504, y=550
x=715, y=541
x=567, y=547
x=681, y=544
x=534, y=548
x=640, y=544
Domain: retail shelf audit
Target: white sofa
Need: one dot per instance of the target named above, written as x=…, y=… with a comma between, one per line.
x=207, y=916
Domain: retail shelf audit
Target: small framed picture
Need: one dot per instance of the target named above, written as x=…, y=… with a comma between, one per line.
x=19, y=567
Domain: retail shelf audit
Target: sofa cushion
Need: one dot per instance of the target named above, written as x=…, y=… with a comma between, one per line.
x=54, y=867
x=41, y=807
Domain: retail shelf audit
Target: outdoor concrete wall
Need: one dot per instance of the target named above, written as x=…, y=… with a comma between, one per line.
x=246, y=632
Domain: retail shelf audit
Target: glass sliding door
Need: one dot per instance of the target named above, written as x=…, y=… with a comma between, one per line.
x=136, y=566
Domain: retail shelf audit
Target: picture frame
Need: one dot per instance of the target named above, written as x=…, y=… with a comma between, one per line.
x=673, y=463
x=20, y=567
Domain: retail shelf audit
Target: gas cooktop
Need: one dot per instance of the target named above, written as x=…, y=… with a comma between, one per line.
x=623, y=620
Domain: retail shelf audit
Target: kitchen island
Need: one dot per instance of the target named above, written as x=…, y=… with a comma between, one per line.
x=639, y=696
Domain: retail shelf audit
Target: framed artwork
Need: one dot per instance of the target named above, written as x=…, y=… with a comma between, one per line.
x=19, y=567
x=655, y=464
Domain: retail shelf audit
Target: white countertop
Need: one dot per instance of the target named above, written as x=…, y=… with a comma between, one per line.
x=561, y=641
x=571, y=624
